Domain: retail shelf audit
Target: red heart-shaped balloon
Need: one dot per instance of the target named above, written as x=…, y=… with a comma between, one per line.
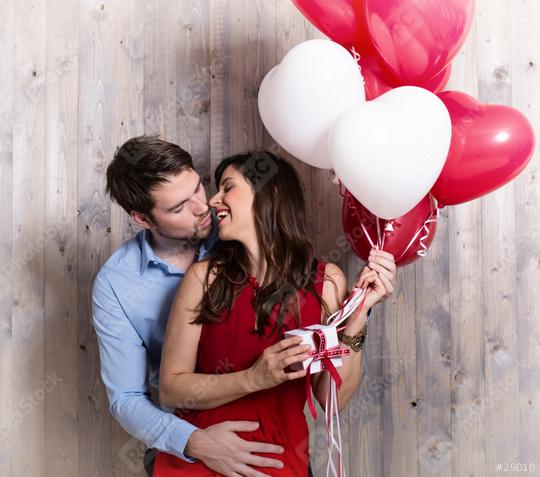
x=491, y=145
x=416, y=39
x=378, y=81
x=337, y=20
x=407, y=237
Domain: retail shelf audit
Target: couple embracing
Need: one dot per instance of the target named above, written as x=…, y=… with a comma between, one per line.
x=196, y=305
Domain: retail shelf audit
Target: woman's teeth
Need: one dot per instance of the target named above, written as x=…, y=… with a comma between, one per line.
x=222, y=214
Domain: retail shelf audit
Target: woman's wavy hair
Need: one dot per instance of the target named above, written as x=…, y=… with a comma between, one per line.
x=279, y=212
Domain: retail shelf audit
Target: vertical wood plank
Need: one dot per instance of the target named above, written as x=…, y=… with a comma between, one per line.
x=525, y=52
x=499, y=250
x=219, y=137
x=433, y=351
x=160, y=60
x=7, y=44
x=96, y=25
x=193, y=84
x=366, y=406
x=398, y=372
x=61, y=350
x=28, y=444
x=467, y=311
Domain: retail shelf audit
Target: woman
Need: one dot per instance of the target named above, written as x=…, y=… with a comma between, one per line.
x=224, y=358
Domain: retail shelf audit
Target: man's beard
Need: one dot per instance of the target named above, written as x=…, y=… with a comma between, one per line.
x=194, y=239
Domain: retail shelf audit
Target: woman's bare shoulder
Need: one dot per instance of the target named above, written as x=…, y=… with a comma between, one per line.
x=199, y=270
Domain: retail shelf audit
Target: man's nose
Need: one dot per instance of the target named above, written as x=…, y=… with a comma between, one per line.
x=200, y=207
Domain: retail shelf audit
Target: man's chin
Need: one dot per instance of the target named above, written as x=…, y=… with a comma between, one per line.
x=202, y=234
x=195, y=238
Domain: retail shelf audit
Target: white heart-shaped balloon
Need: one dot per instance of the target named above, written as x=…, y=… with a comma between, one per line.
x=301, y=98
x=389, y=152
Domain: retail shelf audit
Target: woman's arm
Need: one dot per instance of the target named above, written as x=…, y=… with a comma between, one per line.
x=181, y=387
x=334, y=292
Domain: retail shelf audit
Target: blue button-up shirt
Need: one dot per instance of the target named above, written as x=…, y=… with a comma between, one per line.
x=132, y=296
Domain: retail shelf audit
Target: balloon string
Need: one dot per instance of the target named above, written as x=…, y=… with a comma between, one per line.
x=367, y=236
x=356, y=57
x=422, y=253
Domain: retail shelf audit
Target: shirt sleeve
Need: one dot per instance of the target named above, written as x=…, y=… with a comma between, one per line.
x=123, y=370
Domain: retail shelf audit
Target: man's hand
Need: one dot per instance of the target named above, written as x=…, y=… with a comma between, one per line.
x=223, y=451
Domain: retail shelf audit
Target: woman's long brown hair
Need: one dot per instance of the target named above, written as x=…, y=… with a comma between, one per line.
x=279, y=211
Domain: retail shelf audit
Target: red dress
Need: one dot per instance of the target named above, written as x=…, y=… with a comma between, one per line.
x=232, y=345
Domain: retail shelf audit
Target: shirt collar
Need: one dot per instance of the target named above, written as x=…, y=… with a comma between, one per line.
x=148, y=256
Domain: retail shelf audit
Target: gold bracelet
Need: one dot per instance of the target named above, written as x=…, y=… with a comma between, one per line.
x=354, y=342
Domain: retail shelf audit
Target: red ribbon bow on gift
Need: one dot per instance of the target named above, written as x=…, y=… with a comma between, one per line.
x=325, y=355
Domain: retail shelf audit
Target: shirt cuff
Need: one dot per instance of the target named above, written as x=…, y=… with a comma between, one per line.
x=178, y=438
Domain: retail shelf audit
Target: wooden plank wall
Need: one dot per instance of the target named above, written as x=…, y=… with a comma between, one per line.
x=451, y=373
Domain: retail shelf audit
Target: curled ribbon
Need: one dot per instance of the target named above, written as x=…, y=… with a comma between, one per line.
x=423, y=251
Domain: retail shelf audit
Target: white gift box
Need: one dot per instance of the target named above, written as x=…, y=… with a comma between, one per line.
x=330, y=333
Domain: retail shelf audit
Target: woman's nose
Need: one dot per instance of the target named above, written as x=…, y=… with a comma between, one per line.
x=214, y=200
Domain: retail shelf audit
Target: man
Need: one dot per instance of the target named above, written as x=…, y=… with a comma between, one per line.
x=156, y=184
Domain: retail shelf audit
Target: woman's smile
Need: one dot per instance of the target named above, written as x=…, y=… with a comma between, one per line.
x=221, y=214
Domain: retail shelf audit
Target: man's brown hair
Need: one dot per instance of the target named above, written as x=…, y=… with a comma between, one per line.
x=138, y=166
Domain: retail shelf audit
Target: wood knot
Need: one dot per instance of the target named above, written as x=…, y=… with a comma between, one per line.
x=502, y=75
x=458, y=377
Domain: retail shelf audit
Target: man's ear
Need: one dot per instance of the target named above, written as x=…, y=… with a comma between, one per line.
x=141, y=220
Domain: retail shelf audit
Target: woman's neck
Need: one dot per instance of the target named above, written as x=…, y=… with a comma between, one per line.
x=257, y=259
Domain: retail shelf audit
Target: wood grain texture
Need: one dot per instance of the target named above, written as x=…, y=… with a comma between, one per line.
x=95, y=145
x=28, y=273
x=525, y=55
x=61, y=350
x=450, y=375
x=499, y=252
x=7, y=50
